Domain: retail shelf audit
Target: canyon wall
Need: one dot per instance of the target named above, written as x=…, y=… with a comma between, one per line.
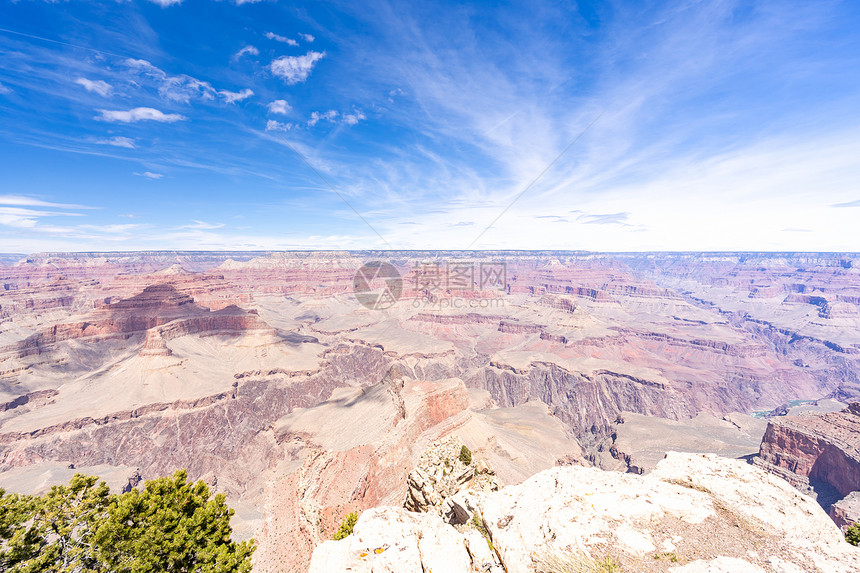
x=816, y=453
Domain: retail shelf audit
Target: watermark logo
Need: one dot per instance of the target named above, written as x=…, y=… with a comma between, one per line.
x=460, y=276
x=377, y=285
x=445, y=284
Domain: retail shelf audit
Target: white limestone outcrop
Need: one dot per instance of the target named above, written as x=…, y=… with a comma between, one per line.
x=693, y=514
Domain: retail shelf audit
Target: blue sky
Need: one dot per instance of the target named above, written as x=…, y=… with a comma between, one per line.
x=203, y=124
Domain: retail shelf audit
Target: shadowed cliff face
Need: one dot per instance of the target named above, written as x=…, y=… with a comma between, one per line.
x=817, y=453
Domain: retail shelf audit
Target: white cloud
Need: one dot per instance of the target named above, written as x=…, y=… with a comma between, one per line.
x=246, y=50
x=96, y=86
x=307, y=37
x=316, y=116
x=282, y=39
x=179, y=88
x=619, y=218
x=203, y=225
x=848, y=204
x=16, y=220
x=138, y=114
x=166, y=3
x=27, y=218
x=295, y=69
x=4, y=89
x=24, y=201
x=233, y=97
x=150, y=175
x=273, y=125
x=354, y=117
x=279, y=106
x=126, y=142
x=114, y=228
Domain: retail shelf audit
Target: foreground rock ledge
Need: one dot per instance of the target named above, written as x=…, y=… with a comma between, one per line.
x=693, y=513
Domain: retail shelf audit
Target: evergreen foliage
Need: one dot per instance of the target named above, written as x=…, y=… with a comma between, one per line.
x=172, y=525
x=346, y=526
x=465, y=455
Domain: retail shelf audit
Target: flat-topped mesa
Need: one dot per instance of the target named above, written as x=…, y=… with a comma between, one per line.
x=155, y=300
x=839, y=310
x=157, y=307
x=208, y=289
x=468, y=318
x=520, y=328
x=817, y=452
x=562, y=303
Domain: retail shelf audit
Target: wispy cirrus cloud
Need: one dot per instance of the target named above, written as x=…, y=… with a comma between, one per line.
x=282, y=39
x=117, y=141
x=605, y=219
x=4, y=89
x=179, y=88
x=100, y=87
x=114, y=228
x=246, y=51
x=17, y=211
x=233, y=97
x=27, y=201
x=150, y=175
x=138, y=114
x=26, y=218
x=307, y=37
x=203, y=225
x=848, y=204
x=295, y=69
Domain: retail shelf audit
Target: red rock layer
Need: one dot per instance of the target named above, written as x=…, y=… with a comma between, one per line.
x=809, y=448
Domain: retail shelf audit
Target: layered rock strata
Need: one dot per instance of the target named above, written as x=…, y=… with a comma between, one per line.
x=819, y=454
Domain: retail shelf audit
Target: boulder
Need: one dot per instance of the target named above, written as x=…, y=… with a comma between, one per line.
x=391, y=540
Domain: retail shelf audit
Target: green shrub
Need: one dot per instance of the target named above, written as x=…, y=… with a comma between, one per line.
x=465, y=455
x=478, y=522
x=346, y=526
x=852, y=534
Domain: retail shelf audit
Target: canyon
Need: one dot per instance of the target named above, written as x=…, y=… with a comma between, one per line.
x=264, y=375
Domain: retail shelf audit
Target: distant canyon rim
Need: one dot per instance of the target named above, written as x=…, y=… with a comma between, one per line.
x=305, y=385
